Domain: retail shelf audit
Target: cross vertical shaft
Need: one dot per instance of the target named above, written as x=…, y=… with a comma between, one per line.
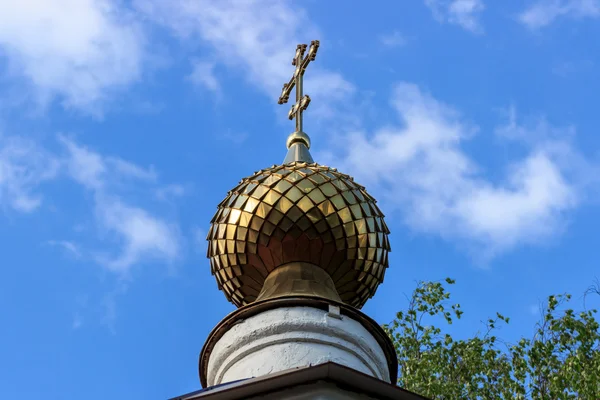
x=302, y=101
x=299, y=94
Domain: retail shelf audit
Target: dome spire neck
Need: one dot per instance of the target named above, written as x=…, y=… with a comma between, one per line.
x=298, y=142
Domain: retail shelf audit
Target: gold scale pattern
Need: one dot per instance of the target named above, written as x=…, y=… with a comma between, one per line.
x=298, y=212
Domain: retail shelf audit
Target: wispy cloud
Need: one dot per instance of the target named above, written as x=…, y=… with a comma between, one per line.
x=92, y=170
x=545, y=12
x=109, y=307
x=573, y=69
x=69, y=247
x=423, y=173
x=262, y=50
x=84, y=166
x=77, y=321
x=89, y=49
x=126, y=169
x=171, y=191
x=203, y=74
x=139, y=234
x=81, y=309
x=143, y=235
x=234, y=137
x=394, y=39
x=464, y=13
x=24, y=166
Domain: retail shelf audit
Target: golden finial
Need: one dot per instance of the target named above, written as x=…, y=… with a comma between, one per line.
x=302, y=101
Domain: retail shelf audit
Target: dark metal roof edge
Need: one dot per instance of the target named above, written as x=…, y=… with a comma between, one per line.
x=195, y=393
x=344, y=377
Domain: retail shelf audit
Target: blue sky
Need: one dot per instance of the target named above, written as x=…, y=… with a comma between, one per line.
x=124, y=123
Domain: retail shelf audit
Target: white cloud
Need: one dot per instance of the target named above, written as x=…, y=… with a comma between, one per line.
x=422, y=172
x=262, y=48
x=203, y=75
x=139, y=234
x=143, y=235
x=23, y=167
x=394, y=39
x=258, y=37
x=84, y=166
x=545, y=12
x=464, y=13
x=125, y=169
x=76, y=50
x=81, y=308
x=109, y=307
x=236, y=138
x=67, y=246
x=537, y=130
x=168, y=192
x=77, y=321
x=573, y=69
x=92, y=170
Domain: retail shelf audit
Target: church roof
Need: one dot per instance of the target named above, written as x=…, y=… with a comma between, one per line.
x=273, y=386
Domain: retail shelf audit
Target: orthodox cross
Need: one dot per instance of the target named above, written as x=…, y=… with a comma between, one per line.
x=302, y=101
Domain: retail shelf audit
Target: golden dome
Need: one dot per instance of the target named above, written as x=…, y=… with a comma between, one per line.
x=299, y=212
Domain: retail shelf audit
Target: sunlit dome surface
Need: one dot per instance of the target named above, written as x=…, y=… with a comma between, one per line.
x=298, y=212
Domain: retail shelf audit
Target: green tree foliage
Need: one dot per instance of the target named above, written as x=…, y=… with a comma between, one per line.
x=560, y=361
